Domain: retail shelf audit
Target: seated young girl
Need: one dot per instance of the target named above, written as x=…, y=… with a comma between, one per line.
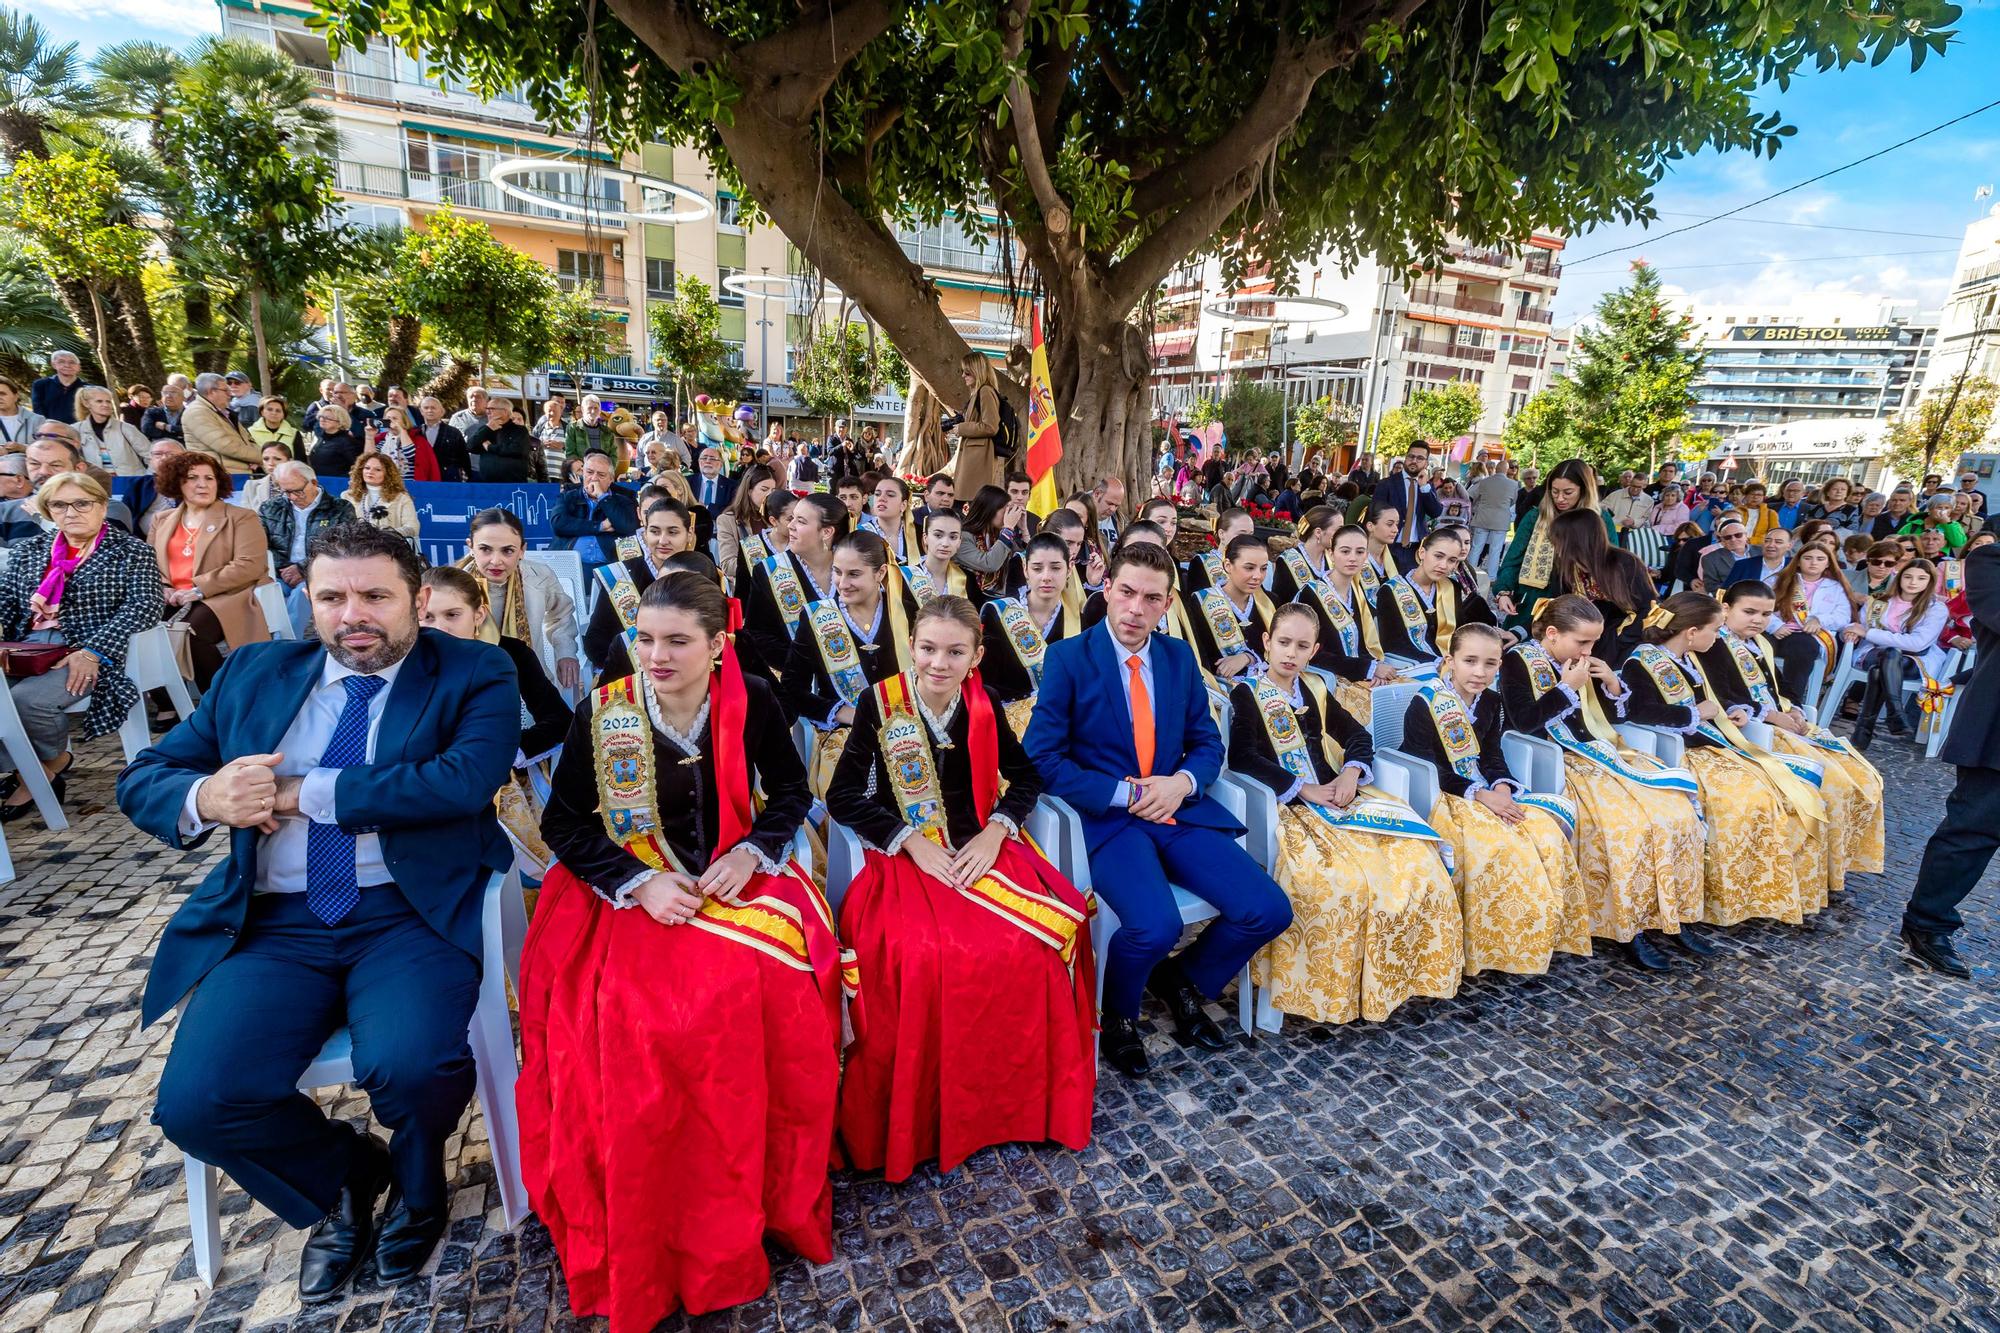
x=1766, y=849
x=1227, y=622
x=1350, y=646
x=976, y=1018
x=1418, y=611
x=679, y=976
x=1521, y=896
x=1638, y=833
x=844, y=644
x=1374, y=917
x=1745, y=674
x=1896, y=634
x=1019, y=630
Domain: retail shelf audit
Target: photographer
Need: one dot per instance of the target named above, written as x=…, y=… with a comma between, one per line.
x=375, y=489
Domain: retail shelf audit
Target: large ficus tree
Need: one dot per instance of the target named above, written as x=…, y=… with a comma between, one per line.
x=1116, y=140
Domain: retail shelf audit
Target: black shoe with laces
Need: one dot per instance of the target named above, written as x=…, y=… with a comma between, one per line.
x=1694, y=943
x=336, y=1248
x=1121, y=1048
x=1646, y=954
x=1936, y=953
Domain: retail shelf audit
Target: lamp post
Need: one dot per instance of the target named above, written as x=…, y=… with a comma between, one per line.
x=764, y=349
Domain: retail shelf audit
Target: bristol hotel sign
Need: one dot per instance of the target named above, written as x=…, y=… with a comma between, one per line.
x=1808, y=333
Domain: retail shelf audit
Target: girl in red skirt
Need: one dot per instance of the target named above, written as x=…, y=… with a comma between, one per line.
x=680, y=987
x=975, y=1019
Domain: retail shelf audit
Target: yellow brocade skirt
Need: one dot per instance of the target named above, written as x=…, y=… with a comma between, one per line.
x=1357, y=699
x=1764, y=859
x=1519, y=889
x=1374, y=922
x=1019, y=713
x=1853, y=792
x=1639, y=851
x=828, y=746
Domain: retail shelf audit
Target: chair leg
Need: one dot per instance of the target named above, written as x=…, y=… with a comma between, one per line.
x=496, y=1072
x=1246, y=1003
x=204, y=1217
x=133, y=733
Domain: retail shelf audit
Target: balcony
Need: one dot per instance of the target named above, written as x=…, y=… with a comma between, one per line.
x=1542, y=264
x=1536, y=314
x=928, y=249
x=427, y=187
x=1528, y=359
x=1454, y=351
x=1439, y=298
x=1475, y=256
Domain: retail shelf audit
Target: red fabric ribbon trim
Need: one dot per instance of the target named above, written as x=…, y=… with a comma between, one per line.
x=732, y=771
x=982, y=738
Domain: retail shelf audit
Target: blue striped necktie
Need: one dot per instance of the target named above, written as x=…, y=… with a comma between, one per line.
x=331, y=887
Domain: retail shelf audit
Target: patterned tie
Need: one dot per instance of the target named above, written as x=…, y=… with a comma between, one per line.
x=331, y=890
x=1142, y=717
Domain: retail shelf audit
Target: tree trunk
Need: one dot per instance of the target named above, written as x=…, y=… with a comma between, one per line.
x=133, y=317
x=1102, y=381
x=404, y=343
x=103, y=342
x=448, y=386
x=263, y=347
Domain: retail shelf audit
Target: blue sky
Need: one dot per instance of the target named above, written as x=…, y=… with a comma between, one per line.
x=1922, y=195
x=1908, y=210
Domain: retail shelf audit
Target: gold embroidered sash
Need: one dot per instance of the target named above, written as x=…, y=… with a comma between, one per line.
x=752, y=550
x=838, y=652
x=1030, y=649
x=1600, y=744
x=1220, y=616
x=786, y=590
x=621, y=592
x=1211, y=565
x=1538, y=561
x=628, y=548
x=1417, y=621
x=1680, y=685
x=511, y=606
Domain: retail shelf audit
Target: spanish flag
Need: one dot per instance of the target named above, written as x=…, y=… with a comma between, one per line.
x=1044, y=437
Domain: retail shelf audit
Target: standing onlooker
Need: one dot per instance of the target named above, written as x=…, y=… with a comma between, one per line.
x=447, y=445
x=978, y=464
x=1791, y=507
x=473, y=413
x=1629, y=506
x=17, y=419
x=54, y=394
x=1958, y=853
x=554, y=423
x=1531, y=492
x=1968, y=485
x=503, y=449
x=137, y=399
x=1493, y=496
x=163, y=420
x=243, y=399
x=1406, y=491
x=209, y=426
x=590, y=432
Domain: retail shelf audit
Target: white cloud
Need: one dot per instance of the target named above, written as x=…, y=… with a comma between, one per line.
x=183, y=19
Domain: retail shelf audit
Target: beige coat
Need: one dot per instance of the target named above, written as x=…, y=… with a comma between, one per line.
x=402, y=512
x=229, y=560
x=219, y=435
x=977, y=466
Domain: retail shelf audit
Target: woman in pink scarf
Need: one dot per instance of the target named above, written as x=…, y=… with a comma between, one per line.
x=1670, y=512
x=88, y=587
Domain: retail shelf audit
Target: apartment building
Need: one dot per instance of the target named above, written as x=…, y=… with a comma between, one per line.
x=413, y=139
x=1968, y=336
x=1373, y=337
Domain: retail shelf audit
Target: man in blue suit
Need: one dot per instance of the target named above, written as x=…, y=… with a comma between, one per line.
x=357, y=782
x=1405, y=491
x=590, y=519
x=1122, y=732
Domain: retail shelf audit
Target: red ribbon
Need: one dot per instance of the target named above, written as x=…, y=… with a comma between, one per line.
x=730, y=704
x=982, y=741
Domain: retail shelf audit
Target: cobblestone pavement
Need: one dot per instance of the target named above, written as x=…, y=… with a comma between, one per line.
x=1797, y=1134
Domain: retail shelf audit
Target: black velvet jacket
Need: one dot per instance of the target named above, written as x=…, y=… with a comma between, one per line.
x=1252, y=754
x=861, y=798
x=1647, y=705
x=1421, y=741
x=763, y=623
x=1001, y=668
x=1396, y=640
x=808, y=691
x=687, y=800
x=539, y=695
x=604, y=641
x=1206, y=650
x=1526, y=713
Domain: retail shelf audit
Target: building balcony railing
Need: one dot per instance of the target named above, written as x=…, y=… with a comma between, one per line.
x=1442, y=299
x=1479, y=256
x=1456, y=351
x=1529, y=359
x=963, y=259
x=458, y=191
x=1543, y=264
x=1535, y=314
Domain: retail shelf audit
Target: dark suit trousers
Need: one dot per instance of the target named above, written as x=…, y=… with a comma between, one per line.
x=229, y=1094
x=1131, y=870
x=1957, y=854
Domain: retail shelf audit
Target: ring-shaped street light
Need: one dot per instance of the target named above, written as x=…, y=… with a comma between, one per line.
x=502, y=175
x=1317, y=309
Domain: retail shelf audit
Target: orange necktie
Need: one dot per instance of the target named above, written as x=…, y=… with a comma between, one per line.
x=1142, y=718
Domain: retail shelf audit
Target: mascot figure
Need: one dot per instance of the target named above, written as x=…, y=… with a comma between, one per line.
x=625, y=429
x=720, y=426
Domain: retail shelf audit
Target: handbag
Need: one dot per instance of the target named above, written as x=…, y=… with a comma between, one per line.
x=22, y=660
x=180, y=635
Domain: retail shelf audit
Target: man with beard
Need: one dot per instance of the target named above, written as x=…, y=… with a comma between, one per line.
x=355, y=774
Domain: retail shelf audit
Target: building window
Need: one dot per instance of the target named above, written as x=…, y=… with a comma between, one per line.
x=576, y=267
x=729, y=212
x=660, y=279
x=723, y=296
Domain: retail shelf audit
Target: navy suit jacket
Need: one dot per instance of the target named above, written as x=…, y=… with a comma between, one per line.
x=447, y=738
x=1081, y=734
x=725, y=489
x=1750, y=569
x=1395, y=489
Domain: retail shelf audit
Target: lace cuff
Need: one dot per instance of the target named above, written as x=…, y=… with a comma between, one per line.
x=903, y=835
x=1575, y=702
x=1367, y=773
x=764, y=863
x=621, y=897
x=1013, y=829
x=1688, y=728
x=1619, y=704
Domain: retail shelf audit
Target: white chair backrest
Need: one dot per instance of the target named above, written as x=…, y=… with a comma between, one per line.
x=1387, y=705
x=277, y=615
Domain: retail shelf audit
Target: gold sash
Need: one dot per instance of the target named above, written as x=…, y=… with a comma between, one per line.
x=1211, y=565
x=629, y=548
x=1538, y=562
x=906, y=753
x=511, y=605
x=753, y=550
x=1410, y=607
x=1299, y=567
x=621, y=592
x=924, y=585
x=1023, y=636
x=1659, y=664
x=785, y=589
x=838, y=652
x=1220, y=614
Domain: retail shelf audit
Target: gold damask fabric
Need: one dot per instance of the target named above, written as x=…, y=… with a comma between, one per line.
x=828, y=746
x=1374, y=922
x=520, y=812
x=1357, y=699
x=1019, y=713
x=1519, y=890
x=1639, y=851
x=1763, y=858
x=1854, y=831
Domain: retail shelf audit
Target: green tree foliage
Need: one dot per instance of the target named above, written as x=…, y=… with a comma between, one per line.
x=1325, y=425
x=1395, y=433
x=33, y=323
x=483, y=301
x=256, y=174
x=1253, y=416
x=1543, y=432
x=581, y=333
x=1633, y=377
x=1945, y=423
x=67, y=207
x=1204, y=411
x=836, y=372
x=1116, y=141
x=687, y=337
x=1443, y=414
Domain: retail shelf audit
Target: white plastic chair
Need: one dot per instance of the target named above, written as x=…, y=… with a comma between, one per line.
x=504, y=928
x=1387, y=706
x=567, y=566
x=1665, y=746
x=277, y=613
x=1942, y=725
x=1056, y=825
x=1844, y=677
x=21, y=753
x=149, y=661
x=1536, y=761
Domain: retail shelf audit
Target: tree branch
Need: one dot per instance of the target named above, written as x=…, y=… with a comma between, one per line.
x=795, y=67
x=674, y=33
x=1022, y=119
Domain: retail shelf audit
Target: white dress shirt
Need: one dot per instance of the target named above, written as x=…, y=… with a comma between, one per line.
x=1144, y=652
x=281, y=856
x=297, y=555
x=707, y=489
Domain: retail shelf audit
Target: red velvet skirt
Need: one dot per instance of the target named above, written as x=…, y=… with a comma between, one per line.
x=971, y=1029
x=677, y=1097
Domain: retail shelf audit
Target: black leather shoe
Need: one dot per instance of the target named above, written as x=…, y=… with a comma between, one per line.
x=1936, y=953
x=1121, y=1048
x=1192, y=1025
x=408, y=1237
x=1694, y=943
x=1644, y=953
x=1862, y=738
x=336, y=1248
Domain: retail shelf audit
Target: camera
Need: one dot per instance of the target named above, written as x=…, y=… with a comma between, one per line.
x=378, y=513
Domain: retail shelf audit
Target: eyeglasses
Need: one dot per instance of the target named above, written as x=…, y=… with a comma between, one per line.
x=73, y=506
x=291, y=492
x=1880, y=564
